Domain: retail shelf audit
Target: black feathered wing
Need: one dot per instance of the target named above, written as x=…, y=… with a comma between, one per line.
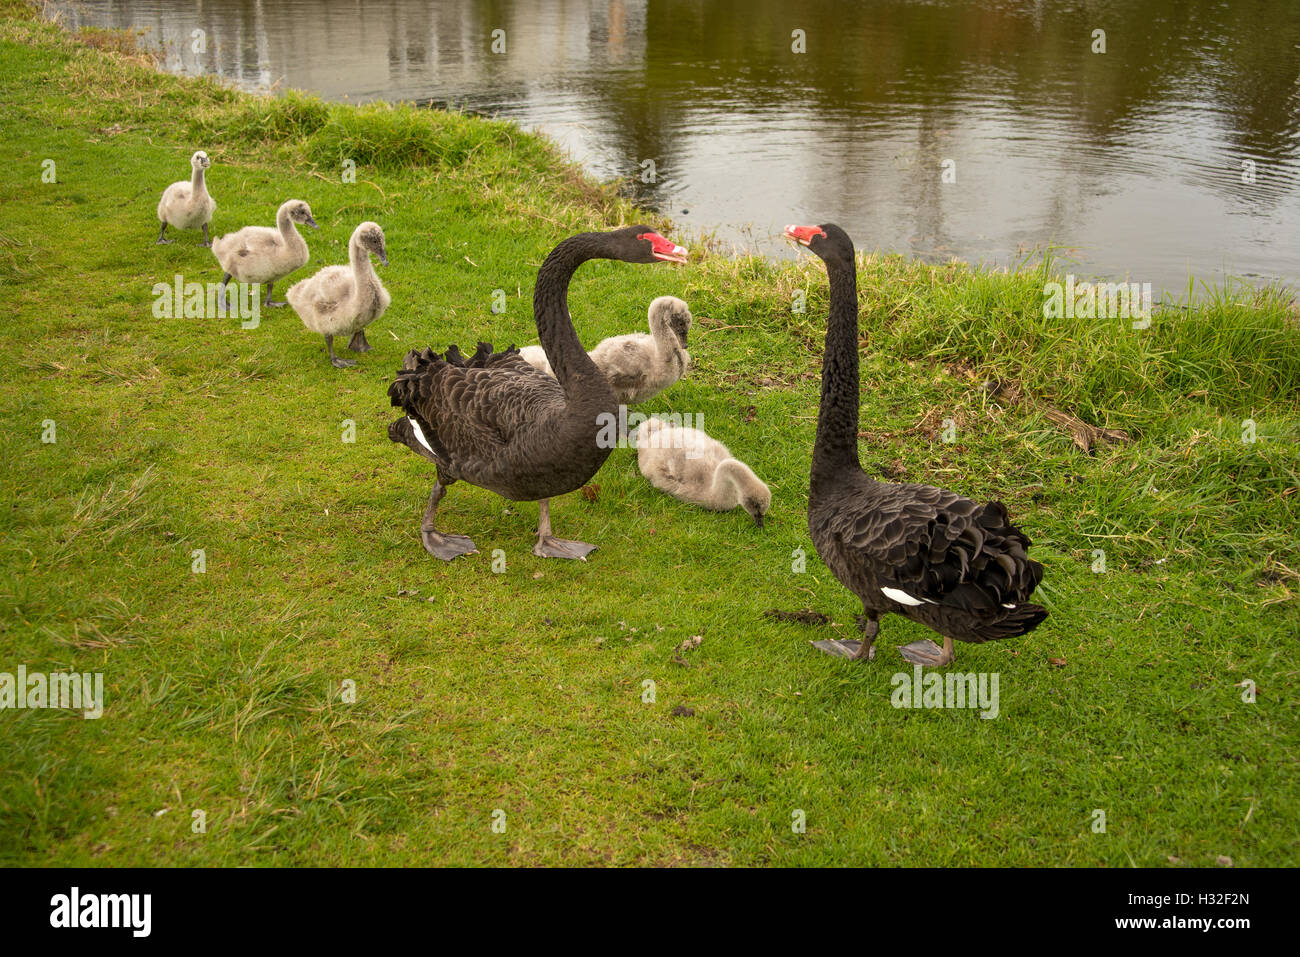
x=965, y=564
x=476, y=414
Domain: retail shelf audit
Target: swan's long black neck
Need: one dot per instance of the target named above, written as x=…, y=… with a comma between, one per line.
x=837, y=419
x=555, y=329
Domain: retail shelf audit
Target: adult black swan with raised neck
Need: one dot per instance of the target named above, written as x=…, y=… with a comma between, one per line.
x=494, y=421
x=957, y=567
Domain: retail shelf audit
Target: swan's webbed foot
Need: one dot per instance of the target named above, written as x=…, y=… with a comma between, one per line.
x=926, y=652
x=161, y=241
x=548, y=546
x=206, y=241
x=854, y=650
x=358, y=342
x=335, y=360
x=436, y=543
x=849, y=648
x=446, y=547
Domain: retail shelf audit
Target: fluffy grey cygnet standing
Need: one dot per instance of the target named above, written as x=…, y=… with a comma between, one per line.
x=343, y=300
x=262, y=254
x=187, y=204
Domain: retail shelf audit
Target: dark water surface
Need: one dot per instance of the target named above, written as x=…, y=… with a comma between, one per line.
x=1131, y=159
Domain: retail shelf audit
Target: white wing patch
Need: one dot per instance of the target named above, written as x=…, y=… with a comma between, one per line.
x=903, y=598
x=1005, y=605
x=419, y=434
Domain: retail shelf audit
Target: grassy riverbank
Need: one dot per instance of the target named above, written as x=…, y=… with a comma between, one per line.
x=522, y=692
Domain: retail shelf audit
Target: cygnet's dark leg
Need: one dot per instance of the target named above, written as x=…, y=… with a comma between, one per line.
x=267, y=301
x=926, y=652
x=161, y=241
x=358, y=341
x=206, y=241
x=854, y=650
x=439, y=544
x=335, y=360
x=548, y=546
x=221, y=293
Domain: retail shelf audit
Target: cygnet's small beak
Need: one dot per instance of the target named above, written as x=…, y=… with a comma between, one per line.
x=758, y=520
x=383, y=257
x=312, y=223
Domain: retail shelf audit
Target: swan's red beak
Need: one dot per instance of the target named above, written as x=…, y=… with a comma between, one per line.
x=665, y=250
x=803, y=235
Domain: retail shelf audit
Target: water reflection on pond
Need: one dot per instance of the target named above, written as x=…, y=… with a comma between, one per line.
x=1137, y=160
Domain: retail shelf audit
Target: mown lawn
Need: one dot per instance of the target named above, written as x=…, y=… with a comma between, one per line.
x=522, y=692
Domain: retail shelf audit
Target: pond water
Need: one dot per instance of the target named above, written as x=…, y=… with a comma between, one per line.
x=979, y=129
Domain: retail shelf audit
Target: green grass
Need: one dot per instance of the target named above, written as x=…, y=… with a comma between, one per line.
x=522, y=691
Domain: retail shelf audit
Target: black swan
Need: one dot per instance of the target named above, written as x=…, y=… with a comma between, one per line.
x=496, y=422
x=959, y=568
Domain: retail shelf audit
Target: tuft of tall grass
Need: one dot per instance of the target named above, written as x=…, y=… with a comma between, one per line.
x=293, y=116
x=377, y=135
x=1234, y=351
x=109, y=514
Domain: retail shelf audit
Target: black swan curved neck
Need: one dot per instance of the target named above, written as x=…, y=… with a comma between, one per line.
x=836, y=447
x=555, y=329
